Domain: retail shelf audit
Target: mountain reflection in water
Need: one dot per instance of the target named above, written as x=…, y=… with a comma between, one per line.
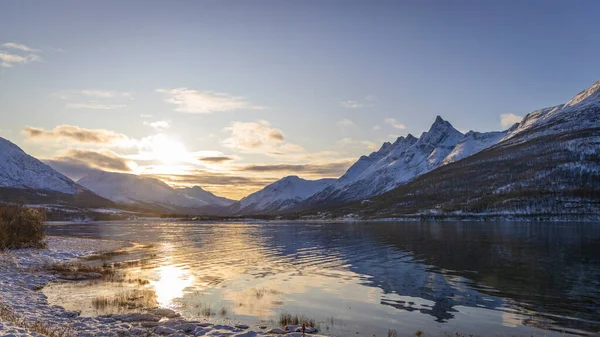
x=506, y=278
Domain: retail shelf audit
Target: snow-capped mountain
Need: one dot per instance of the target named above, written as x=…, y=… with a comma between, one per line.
x=393, y=165
x=281, y=195
x=20, y=170
x=580, y=112
x=133, y=189
x=546, y=167
x=474, y=142
x=199, y=193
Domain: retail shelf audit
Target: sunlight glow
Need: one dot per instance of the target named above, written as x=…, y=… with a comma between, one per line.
x=171, y=284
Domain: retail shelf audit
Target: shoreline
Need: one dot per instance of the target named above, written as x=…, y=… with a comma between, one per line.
x=25, y=311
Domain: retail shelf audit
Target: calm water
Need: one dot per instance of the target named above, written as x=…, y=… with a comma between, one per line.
x=364, y=278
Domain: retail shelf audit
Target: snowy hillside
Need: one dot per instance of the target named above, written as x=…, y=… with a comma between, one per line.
x=280, y=195
x=472, y=143
x=20, y=170
x=133, y=189
x=393, y=165
x=197, y=192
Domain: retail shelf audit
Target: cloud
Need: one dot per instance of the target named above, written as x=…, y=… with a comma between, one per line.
x=335, y=169
x=376, y=127
x=95, y=106
x=369, y=101
x=508, y=120
x=216, y=159
x=9, y=60
x=146, y=115
x=76, y=163
x=351, y=104
x=258, y=137
x=22, y=47
x=352, y=142
x=95, y=99
x=159, y=125
x=345, y=122
x=72, y=132
x=205, y=102
x=394, y=123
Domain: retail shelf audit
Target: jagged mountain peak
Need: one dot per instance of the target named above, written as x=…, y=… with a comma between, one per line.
x=590, y=94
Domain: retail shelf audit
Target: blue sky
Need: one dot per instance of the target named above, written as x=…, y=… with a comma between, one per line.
x=233, y=95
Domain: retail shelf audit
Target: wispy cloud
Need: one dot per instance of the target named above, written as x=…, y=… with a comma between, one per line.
x=146, y=115
x=345, y=122
x=9, y=60
x=353, y=142
x=368, y=101
x=95, y=99
x=76, y=163
x=22, y=47
x=508, y=120
x=351, y=104
x=95, y=106
x=74, y=133
x=334, y=169
x=376, y=127
x=159, y=125
x=205, y=102
x=258, y=137
x=216, y=159
x=394, y=123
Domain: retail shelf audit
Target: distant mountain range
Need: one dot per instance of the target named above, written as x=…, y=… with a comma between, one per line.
x=133, y=189
x=548, y=164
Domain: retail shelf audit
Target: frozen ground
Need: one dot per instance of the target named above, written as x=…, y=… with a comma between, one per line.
x=22, y=274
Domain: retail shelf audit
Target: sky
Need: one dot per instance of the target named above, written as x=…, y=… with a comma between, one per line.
x=233, y=95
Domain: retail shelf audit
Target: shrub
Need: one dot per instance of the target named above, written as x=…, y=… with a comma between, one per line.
x=21, y=227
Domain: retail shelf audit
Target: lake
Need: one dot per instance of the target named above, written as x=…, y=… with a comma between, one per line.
x=360, y=278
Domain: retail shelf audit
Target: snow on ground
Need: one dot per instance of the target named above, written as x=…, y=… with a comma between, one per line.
x=22, y=275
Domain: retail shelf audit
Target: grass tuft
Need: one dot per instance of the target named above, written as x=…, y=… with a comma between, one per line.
x=289, y=319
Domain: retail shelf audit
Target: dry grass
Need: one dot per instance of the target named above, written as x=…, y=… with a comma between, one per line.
x=8, y=315
x=72, y=268
x=260, y=293
x=21, y=227
x=289, y=319
x=223, y=311
x=129, y=300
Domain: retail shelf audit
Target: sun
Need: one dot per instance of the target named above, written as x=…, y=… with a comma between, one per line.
x=168, y=151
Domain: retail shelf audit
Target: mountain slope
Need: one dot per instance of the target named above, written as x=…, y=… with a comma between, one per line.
x=393, y=165
x=22, y=171
x=199, y=193
x=549, y=165
x=281, y=195
x=25, y=179
x=473, y=142
x=132, y=189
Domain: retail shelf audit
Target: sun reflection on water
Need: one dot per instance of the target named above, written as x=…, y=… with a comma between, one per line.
x=171, y=283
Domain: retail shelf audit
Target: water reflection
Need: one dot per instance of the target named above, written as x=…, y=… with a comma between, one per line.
x=171, y=283
x=373, y=276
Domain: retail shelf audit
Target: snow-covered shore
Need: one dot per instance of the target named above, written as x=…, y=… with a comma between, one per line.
x=22, y=275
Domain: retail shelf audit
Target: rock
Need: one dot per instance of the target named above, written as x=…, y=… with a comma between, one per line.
x=136, y=318
x=168, y=313
x=186, y=327
x=242, y=326
x=276, y=331
x=163, y=330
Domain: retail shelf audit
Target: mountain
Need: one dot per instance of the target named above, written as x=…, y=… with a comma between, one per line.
x=281, y=195
x=392, y=165
x=20, y=170
x=545, y=167
x=473, y=142
x=198, y=193
x=132, y=189
x=25, y=179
